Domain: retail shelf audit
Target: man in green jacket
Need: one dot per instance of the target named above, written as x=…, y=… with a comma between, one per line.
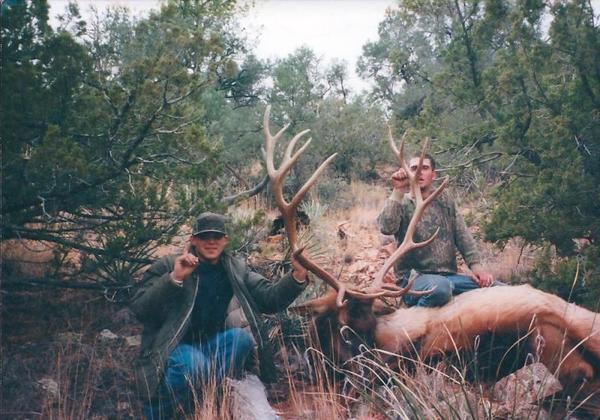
x=196, y=308
x=435, y=263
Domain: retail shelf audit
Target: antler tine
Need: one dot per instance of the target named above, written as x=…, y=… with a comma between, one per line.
x=333, y=282
x=289, y=161
x=408, y=243
x=302, y=191
x=437, y=191
x=322, y=274
x=413, y=176
x=270, y=140
x=406, y=290
x=290, y=148
x=397, y=153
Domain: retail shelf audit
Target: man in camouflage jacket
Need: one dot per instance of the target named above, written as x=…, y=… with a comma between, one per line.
x=435, y=263
x=196, y=308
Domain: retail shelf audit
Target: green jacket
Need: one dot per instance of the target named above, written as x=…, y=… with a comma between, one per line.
x=440, y=255
x=165, y=308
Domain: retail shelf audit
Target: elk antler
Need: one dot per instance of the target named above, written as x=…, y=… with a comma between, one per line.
x=420, y=205
x=276, y=176
x=288, y=210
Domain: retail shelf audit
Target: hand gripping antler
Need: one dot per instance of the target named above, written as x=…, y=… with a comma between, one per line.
x=420, y=205
x=288, y=209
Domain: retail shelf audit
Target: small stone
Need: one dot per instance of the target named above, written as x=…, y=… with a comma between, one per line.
x=386, y=239
x=50, y=386
x=108, y=335
x=123, y=406
x=358, y=266
x=249, y=400
x=123, y=317
x=134, y=341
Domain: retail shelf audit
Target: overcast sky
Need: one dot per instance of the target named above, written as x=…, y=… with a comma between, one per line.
x=333, y=29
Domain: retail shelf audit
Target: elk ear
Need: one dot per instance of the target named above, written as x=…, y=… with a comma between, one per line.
x=382, y=308
x=315, y=307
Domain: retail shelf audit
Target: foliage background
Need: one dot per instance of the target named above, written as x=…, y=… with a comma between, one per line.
x=116, y=131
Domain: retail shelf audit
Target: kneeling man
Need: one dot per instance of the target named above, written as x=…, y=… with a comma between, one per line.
x=435, y=264
x=193, y=307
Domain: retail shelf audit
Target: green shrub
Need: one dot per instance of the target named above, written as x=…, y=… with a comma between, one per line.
x=574, y=278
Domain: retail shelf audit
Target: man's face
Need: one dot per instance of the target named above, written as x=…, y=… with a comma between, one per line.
x=209, y=245
x=427, y=173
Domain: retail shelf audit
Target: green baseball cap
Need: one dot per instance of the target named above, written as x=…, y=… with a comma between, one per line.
x=210, y=222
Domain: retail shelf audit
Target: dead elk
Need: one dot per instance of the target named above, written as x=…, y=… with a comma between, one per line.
x=561, y=335
x=565, y=337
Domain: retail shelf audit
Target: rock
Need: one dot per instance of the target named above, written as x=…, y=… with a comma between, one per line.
x=358, y=266
x=521, y=411
x=123, y=317
x=50, y=386
x=371, y=254
x=518, y=393
x=362, y=411
x=446, y=395
x=124, y=322
x=108, y=335
x=528, y=385
x=386, y=239
x=468, y=402
x=249, y=400
x=123, y=406
x=134, y=341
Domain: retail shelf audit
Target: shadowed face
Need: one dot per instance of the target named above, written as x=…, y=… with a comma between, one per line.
x=209, y=245
x=427, y=175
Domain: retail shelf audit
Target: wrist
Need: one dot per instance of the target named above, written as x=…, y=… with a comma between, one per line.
x=176, y=280
x=396, y=195
x=475, y=268
x=301, y=280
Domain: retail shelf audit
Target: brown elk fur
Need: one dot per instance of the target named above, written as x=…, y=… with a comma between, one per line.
x=564, y=336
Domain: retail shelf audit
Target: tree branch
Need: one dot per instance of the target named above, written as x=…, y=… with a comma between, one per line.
x=233, y=199
x=24, y=233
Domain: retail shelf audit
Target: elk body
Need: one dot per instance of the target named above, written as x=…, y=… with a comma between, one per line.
x=564, y=336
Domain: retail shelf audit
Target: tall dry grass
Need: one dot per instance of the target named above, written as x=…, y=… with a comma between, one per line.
x=364, y=388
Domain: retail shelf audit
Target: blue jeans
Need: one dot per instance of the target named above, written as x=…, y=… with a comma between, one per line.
x=191, y=365
x=447, y=285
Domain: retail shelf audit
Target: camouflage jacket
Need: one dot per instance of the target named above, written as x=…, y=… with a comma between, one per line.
x=440, y=255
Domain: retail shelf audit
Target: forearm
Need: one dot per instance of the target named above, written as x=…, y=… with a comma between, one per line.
x=156, y=289
x=390, y=218
x=476, y=268
x=466, y=243
x=273, y=297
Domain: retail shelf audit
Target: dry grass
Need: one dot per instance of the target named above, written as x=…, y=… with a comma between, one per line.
x=370, y=390
x=26, y=258
x=95, y=379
